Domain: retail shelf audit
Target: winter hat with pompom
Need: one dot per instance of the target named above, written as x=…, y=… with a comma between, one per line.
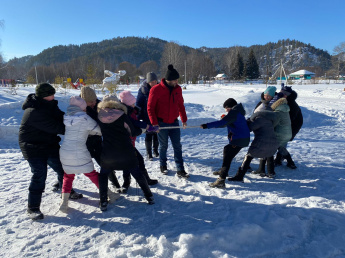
x=127, y=98
x=77, y=101
x=229, y=103
x=44, y=90
x=171, y=74
x=270, y=90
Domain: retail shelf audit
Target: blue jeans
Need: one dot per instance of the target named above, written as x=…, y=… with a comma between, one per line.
x=39, y=171
x=175, y=138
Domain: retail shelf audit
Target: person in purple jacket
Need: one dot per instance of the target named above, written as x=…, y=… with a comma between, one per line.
x=238, y=134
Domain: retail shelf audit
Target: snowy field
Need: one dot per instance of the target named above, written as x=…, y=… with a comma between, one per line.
x=301, y=213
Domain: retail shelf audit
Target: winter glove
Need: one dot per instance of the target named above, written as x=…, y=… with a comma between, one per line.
x=152, y=129
x=203, y=126
x=222, y=116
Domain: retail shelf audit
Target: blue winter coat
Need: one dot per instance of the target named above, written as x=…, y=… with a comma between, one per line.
x=238, y=131
x=142, y=99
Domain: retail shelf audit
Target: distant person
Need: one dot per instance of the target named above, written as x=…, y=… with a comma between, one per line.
x=164, y=106
x=39, y=142
x=142, y=100
x=238, y=134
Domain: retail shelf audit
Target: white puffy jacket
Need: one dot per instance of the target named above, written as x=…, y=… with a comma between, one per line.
x=74, y=156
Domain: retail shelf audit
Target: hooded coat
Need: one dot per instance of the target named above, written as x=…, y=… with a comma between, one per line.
x=118, y=152
x=41, y=123
x=282, y=126
x=142, y=100
x=74, y=155
x=238, y=132
x=265, y=143
x=296, y=116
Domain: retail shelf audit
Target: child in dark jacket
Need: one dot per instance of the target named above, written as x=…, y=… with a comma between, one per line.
x=238, y=134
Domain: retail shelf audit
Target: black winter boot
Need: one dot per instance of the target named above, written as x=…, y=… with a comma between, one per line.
x=148, y=150
x=278, y=160
x=103, y=191
x=290, y=163
x=261, y=169
x=239, y=175
x=148, y=179
x=270, y=167
x=126, y=183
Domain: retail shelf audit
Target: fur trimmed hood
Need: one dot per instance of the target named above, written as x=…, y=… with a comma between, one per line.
x=110, y=111
x=281, y=105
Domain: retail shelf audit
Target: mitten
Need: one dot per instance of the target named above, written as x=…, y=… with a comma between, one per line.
x=152, y=129
x=204, y=126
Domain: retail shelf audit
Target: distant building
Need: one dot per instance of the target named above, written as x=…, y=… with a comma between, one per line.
x=221, y=77
x=301, y=74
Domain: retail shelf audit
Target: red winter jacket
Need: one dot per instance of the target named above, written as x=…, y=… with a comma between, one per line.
x=165, y=105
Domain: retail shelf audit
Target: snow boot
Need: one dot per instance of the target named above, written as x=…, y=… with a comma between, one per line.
x=74, y=195
x=270, y=167
x=290, y=163
x=148, y=179
x=56, y=186
x=64, y=202
x=239, y=175
x=35, y=213
x=126, y=183
x=221, y=172
x=182, y=174
x=219, y=183
x=261, y=169
x=150, y=200
x=164, y=170
x=278, y=160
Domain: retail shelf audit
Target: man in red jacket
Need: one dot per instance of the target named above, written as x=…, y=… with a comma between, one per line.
x=164, y=106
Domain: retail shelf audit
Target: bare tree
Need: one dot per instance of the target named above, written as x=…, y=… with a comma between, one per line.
x=148, y=66
x=339, y=58
x=173, y=54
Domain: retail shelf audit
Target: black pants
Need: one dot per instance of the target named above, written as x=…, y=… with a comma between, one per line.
x=229, y=152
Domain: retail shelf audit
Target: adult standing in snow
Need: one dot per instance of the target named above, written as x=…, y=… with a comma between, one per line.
x=266, y=97
x=296, y=118
x=164, y=106
x=142, y=99
x=94, y=142
x=39, y=142
x=238, y=134
x=118, y=152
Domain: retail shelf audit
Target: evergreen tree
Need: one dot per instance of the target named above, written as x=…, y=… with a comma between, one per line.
x=252, y=67
x=237, y=72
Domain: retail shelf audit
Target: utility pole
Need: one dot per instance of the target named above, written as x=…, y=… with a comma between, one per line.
x=36, y=75
x=185, y=71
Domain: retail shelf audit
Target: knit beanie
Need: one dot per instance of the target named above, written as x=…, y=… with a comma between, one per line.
x=111, y=97
x=151, y=77
x=286, y=90
x=44, y=90
x=78, y=101
x=270, y=90
x=229, y=103
x=127, y=98
x=88, y=94
x=171, y=74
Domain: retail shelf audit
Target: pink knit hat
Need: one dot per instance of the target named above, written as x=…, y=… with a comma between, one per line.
x=78, y=101
x=127, y=98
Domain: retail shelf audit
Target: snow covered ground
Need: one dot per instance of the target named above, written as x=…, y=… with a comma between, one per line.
x=301, y=213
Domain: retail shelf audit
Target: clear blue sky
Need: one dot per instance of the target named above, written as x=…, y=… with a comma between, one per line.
x=30, y=26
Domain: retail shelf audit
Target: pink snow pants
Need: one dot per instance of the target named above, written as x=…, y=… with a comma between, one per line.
x=69, y=178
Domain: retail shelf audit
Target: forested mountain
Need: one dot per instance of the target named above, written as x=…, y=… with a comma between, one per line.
x=139, y=55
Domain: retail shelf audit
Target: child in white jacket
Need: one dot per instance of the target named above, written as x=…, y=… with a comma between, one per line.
x=74, y=156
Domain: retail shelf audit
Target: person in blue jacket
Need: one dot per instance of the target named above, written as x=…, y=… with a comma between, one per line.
x=238, y=134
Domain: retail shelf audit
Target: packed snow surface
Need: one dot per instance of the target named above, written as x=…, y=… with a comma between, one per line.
x=300, y=213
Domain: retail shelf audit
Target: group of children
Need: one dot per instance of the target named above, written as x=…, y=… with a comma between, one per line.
x=275, y=121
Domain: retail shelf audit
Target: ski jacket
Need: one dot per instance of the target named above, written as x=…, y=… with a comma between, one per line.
x=238, y=131
x=41, y=123
x=165, y=105
x=265, y=143
x=74, y=155
x=142, y=100
x=118, y=152
x=296, y=116
x=282, y=125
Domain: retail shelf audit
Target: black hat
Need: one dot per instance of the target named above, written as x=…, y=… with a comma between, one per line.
x=171, y=74
x=229, y=103
x=286, y=90
x=151, y=77
x=44, y=90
